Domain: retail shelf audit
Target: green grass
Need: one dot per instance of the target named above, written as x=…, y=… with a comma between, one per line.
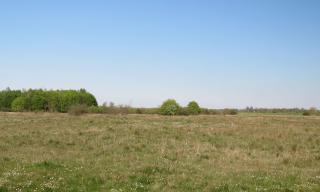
x=59, y=152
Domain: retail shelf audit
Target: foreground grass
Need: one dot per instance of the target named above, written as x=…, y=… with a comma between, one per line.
x=59, y=152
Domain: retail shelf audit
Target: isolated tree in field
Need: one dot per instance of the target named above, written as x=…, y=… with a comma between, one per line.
x=193, y=108
x=169, y=107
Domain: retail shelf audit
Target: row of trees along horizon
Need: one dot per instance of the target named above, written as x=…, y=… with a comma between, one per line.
x=80, y=101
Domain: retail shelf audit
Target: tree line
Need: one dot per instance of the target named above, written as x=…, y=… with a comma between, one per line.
x=81, y=101
x=44, y=100
x=169, y=107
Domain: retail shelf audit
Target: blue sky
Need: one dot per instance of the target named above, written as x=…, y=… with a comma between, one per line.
x=221, y=53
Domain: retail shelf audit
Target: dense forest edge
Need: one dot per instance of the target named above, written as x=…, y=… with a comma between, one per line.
x=44, y=100
x=81, y=101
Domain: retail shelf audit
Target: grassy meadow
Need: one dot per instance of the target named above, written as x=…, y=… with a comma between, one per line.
x=99, y=152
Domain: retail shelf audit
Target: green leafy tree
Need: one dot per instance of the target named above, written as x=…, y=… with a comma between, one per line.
x=19, y=104
x=38, y=103
x=169, y=107
x=7, y=97
x=193, y=108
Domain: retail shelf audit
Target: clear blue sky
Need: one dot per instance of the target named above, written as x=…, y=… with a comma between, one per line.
x=226, y=53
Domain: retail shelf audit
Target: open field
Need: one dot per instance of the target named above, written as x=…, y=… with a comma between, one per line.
x=59, y=152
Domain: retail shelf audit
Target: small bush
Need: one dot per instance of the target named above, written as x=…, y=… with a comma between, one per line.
x=150, y=110
x=78, y=109
x=230, y=112
x=169, y=107
x=311, y=111
x=207, y=111
x=139, y=111
x=95, y=109
x=306, y=113
x=233, y=112
x=193, y=108
x=183, y=111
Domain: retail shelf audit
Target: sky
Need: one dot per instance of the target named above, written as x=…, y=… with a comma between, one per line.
x=220, y=53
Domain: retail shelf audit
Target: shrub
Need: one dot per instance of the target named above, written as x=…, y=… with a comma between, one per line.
x=230, y=112
x=193, y=108
x=150, y=110
x=78, y=109
x=169, y=107
x=214, y=112
x=306, y=113
x=19, y=104
x=139, y=111
x=121, y=109
x=207, y=111
x=233, y=112
x=95, y=109
x=183, y=111
x=311, y=111
x=314, y=111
